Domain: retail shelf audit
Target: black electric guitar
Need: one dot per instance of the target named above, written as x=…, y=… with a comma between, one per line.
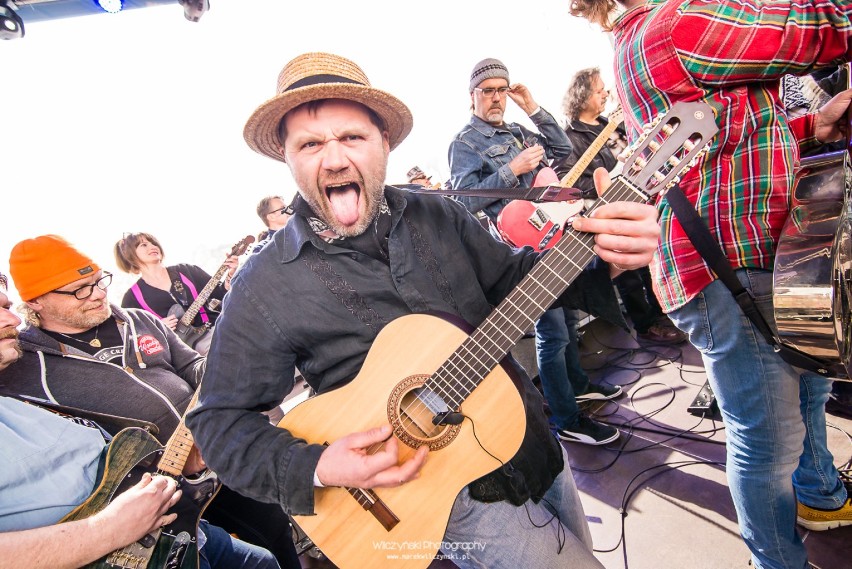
x=421, y=370
x=190, y=334
x=132, y=453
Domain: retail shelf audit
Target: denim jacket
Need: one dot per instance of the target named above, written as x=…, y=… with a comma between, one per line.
x=480, y=154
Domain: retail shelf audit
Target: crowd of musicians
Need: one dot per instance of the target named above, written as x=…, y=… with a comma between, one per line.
x=359, y=286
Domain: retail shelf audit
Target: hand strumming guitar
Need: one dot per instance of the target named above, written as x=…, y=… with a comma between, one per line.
x=346, y=462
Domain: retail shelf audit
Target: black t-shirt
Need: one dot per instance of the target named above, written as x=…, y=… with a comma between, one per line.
x=161, y=301
x=104, y=341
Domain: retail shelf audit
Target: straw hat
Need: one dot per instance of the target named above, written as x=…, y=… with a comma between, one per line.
x=314, y=76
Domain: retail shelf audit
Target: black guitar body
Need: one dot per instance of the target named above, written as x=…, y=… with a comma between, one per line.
x=177, y=547
x=190, y=335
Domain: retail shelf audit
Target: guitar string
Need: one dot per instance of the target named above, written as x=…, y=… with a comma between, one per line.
x=550, y=275
x=539, y=298
x=629, y=193
x=549, y=278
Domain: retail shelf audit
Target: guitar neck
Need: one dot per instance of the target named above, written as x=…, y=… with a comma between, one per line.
x=202, y=297
x=465, y=369
x=180, y=443
x=577, y=170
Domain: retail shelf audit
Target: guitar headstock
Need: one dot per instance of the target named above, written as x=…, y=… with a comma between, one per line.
x=616, y=116
x=669, y=146
x=241, y=247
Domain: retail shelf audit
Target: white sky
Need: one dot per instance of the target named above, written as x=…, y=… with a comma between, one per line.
x=133, y=121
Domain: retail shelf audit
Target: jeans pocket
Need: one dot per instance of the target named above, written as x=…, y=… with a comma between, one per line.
x=693, y=319
x=760, y=283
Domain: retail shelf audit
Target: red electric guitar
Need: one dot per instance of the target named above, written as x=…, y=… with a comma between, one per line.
x=540, y=225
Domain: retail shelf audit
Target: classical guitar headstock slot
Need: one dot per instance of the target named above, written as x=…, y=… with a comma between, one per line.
x=670, y=145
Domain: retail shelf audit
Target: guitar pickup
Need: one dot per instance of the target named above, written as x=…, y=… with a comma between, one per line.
x=538, y=219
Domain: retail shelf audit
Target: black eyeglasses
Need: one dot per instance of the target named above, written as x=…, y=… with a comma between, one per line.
x=286, y=209
x=489, y=91
x=86, y=291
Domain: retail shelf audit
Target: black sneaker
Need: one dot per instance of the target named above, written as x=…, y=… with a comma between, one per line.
x=599, y=392
x=589, y=432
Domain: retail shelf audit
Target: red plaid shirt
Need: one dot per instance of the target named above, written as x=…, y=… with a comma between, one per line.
x=731, y=54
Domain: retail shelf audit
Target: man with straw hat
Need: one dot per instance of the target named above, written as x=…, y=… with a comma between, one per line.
x=355, y=256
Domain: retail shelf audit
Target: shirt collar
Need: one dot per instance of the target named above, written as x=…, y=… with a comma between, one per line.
x=300, y=230
x=626, y=18
x=487, y=129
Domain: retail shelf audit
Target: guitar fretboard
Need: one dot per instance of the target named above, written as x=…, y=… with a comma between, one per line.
x=465, y=369
x=202, y=297
x=615, y=119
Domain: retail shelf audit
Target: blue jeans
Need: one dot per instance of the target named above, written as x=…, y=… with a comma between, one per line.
x=501, y=536
x=221, y=551
x=768, y=408
x=558, y=357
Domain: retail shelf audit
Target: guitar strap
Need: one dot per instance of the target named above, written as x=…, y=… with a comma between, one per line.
x=137, y=293
x=699, y=235
x=536, y=194
x=90, y=418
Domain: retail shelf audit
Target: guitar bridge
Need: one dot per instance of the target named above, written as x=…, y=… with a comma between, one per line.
x=371, y=502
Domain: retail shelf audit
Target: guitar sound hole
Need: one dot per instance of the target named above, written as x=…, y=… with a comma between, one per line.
x=417, y=409
x=411, y=408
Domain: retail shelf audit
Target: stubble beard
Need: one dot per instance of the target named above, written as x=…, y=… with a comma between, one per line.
x=5, y=359
x=372, y=188
x=494, y=115
x=83, y=320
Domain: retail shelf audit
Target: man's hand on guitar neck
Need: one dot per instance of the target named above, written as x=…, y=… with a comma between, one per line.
x=627, y=233
x=232, y=262
x=349, y=462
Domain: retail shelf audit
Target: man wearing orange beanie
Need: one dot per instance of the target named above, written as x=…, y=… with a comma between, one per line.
x=31, y=506
x=125, y=362
x=81, y=351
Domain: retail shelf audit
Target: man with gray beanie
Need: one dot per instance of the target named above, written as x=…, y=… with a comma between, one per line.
x=491, y=153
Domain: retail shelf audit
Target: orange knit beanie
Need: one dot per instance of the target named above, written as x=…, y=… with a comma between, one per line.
x=46, y=263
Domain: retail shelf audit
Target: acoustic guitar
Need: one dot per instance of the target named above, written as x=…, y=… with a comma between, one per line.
x=190, y=334
x=539, y=225
x=131, y=453
x=434, y=384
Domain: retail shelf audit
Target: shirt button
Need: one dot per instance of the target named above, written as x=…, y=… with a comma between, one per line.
x=354, y=256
